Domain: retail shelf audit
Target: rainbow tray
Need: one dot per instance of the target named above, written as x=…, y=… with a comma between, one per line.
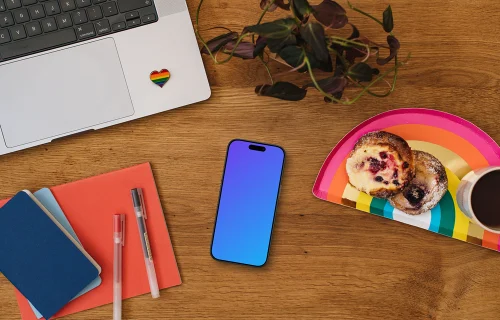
x=457, y=143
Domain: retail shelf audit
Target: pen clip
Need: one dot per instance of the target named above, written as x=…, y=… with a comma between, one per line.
x=143, y=204
x=123, y=229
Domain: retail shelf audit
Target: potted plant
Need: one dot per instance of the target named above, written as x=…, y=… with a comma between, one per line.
x=307, y=41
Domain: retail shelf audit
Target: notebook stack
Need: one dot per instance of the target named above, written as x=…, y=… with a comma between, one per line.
x=54, y=274
x=40, y=254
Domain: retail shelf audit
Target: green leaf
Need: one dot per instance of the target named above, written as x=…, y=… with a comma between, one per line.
x=302, y=9
x=294, y=56
x=361, y=72
x=388, y=20
x=323, y=66
x=275, y=45
x=273, y=30
x=314, y=34
x=282, y=90
x=260, y=45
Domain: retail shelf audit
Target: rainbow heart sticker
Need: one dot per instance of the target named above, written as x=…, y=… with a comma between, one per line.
x=160, y=78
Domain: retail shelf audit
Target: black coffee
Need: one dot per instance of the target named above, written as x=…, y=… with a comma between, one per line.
x=486, y=199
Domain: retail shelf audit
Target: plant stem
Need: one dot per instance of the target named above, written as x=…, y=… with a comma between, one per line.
x=196, y=31
x=349, y=44
x=395, y=74
x=234, y=49
x=313, y=79
x=300, y=66
x=240, y=38
x=343, y=41
x=266, y=8
x=213, y=28
x=342, y=59
x=393, y=86
x=265, y=11
x=365, y=89
x=214, y=58
x=377, y=95
x=364, y=13
x=267, y=69
x=382, y=76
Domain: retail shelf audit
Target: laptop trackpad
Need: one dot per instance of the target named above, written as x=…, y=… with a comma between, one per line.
x=62, y=92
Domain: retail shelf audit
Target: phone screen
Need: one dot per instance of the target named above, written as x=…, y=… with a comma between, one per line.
x=247, y=202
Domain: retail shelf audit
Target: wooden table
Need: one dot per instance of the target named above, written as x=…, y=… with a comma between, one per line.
x=326, y=261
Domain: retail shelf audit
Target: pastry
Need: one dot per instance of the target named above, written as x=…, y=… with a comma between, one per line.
x=381, y=164
x=425, y=190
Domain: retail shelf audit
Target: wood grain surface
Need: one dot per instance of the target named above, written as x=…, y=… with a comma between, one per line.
x=326, y=261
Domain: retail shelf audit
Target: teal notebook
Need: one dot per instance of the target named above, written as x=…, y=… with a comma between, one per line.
x=39, y=257
x=48, y=200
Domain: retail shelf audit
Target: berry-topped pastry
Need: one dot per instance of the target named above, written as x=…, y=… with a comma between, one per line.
x=381, y=164
x=425, y=190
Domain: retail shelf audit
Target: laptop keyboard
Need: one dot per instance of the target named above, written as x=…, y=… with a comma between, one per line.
x=29, y=26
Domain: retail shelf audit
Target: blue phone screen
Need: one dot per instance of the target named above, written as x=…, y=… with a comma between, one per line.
x=247, y=202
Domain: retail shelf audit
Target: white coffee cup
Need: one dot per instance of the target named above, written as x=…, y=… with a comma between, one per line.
x=464, y=195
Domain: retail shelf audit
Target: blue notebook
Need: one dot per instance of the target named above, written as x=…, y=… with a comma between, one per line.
x=48, y=200
x=39, y=257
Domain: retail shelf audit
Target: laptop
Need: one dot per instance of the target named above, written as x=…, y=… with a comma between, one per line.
x=69, y=66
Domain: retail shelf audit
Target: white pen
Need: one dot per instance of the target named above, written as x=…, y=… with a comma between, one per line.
x=119, y=242
x=141, y=215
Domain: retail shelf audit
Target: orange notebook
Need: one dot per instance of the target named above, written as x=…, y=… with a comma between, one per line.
x=89, y=205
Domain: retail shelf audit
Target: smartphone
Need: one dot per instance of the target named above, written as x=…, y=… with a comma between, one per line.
x=247, y=202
